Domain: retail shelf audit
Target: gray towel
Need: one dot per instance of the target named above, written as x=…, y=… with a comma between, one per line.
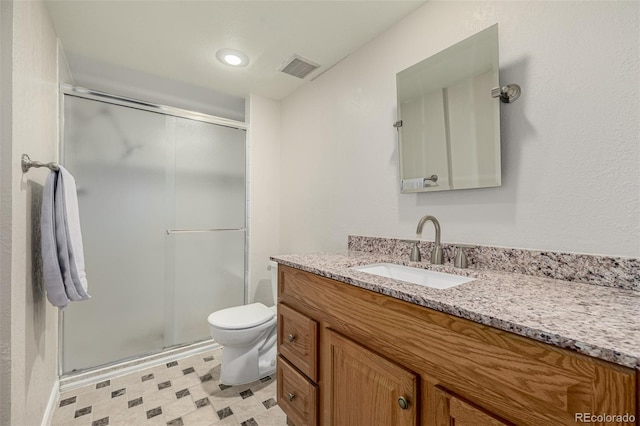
x=74, y=233
x=53, y=282
x=64, y=275
x=62, y=243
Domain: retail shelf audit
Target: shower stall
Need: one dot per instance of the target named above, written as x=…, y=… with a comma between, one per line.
x=162, y=198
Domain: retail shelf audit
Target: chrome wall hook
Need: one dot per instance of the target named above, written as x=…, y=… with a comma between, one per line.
x=507, y=94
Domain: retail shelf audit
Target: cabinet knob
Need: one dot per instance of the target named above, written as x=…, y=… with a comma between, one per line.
x=291, y=396
x=291, y=337
x=403, y=403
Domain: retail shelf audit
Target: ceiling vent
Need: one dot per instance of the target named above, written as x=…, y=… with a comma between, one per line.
x=298, y=66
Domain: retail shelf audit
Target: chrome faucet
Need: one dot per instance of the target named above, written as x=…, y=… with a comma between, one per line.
x=436, y=253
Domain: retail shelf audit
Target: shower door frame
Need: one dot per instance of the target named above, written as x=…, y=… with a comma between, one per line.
x=84, y=93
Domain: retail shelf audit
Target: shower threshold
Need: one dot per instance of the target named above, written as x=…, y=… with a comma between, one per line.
x=76, y=379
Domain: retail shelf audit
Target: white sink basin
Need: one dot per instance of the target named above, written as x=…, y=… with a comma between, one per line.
x=418, y=276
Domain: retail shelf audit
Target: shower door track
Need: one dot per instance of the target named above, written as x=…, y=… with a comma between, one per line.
x=82, y=92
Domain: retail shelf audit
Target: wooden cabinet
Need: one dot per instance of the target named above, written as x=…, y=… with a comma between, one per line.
x=370, y=347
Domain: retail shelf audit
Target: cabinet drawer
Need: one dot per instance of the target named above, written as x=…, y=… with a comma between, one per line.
x=297, y=396
x=297, y=340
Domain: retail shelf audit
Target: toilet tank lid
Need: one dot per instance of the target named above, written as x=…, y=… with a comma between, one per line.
x=240, y=317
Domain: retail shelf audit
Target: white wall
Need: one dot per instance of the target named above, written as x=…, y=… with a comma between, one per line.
x=264, y=194
x=6, y=49
x=30, y=108
x=570, y=144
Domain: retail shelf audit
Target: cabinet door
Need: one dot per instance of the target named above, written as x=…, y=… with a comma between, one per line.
x=367, y=389
x=454, y=411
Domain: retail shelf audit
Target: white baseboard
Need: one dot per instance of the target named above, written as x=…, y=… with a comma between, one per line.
x=51, y=405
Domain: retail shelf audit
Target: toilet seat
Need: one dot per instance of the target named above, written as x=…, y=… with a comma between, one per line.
x=241, y=317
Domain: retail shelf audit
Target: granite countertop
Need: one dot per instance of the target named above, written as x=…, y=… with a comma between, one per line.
x=601, y=322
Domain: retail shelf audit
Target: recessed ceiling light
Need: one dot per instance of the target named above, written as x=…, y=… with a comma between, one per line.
x=232, y=57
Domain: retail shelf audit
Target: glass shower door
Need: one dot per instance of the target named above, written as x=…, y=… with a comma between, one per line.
x=117, y=156
x=207, y=238
x=162, y=209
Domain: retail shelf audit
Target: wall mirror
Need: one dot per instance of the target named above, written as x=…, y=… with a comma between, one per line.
x=449, y=123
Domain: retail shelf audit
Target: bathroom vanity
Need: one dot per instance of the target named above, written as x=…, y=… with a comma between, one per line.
x=356, y=349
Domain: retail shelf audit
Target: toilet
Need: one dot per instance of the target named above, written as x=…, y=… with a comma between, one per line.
x=247, y=334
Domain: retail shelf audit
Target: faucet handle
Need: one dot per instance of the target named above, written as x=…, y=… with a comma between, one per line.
x=461, y=258
x=415, y=253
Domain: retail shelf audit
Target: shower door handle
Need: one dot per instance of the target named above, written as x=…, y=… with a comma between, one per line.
x=186, y=231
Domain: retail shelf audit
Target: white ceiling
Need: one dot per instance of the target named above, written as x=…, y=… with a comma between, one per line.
x=178, y=40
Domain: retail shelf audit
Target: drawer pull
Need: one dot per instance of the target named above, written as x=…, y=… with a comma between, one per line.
x=291, y=396
x=291, y=337
x=402, y=402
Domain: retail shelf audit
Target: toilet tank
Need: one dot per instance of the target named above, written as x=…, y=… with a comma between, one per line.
x=273, y=267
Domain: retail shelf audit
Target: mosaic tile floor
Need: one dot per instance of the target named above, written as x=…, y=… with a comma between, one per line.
x=180, y=393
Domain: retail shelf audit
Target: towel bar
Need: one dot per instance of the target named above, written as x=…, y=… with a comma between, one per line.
x=27, y=163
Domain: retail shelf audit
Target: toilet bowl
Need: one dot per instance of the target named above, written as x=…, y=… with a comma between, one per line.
x=247, y=334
